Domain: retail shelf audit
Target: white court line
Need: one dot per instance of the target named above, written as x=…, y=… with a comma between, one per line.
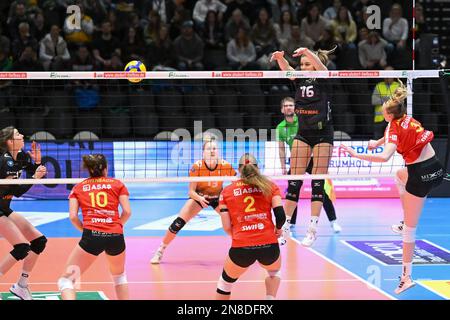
x=192, y=281
x=371, y=285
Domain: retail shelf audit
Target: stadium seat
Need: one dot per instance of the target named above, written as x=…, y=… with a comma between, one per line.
x=145, y=124
x=42, y=136
x=85, y=136
x=116, y=125
x=7, y=119
x=341, y=135
x=141, y=101
x=166, y=136
x=197, y=103
x=90, y=121
x=60, y=123
x=31, y=122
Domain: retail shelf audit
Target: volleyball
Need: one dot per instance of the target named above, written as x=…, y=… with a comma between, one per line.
x=135, y=66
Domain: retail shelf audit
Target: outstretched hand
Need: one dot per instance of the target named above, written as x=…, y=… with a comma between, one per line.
x=300, y=51
x=35, y=152
x=277, y=55
x=350, y=150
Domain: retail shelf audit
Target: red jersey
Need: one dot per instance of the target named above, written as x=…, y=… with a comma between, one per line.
x=251, y=214
x=213, y=188
x=409, y=136
x=98, y=199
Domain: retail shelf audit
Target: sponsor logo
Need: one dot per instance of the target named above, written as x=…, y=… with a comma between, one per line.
x=217, y=74
x=13, y=75
x=393, y=137
x=58, y=75
x=121, y=74
x=101, y=220
x=432, y=176
x=242, y=74
x=390, y=252
x=10, y=163
x=174, y=74
x=258, y=216
x=89, y=187
x=256, y=226
x=405, y=123
x=354, y=74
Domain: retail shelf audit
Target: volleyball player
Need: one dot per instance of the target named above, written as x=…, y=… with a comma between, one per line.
x=315, y=133
x=245, y=211
x=201, y=194
x=423, y=171
x=286, y=132
x=28, y=243
x=98, y=197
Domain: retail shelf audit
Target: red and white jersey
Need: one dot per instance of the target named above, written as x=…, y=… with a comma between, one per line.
x=98, y=199
x=251, y=214
x=409, y=136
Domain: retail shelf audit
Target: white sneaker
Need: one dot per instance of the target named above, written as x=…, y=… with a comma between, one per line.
x=22, y=293
x=398, y=228
x=286, y=230
x=157, y=257
x=309, y=238
x=336, y=227
x=282, y=240
x=405, y=284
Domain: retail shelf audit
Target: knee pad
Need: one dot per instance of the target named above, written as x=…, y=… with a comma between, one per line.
x=38, y=245
x=64, y=284
x=317, y=190
x=274, y=273
x=225, y=284
x=120, y=279
x=293, y=191
x=20, y=251
x=400, y=185
x=409, y=234
x=177, y=225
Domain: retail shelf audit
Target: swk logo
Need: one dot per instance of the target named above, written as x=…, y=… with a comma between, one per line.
x=73, y=22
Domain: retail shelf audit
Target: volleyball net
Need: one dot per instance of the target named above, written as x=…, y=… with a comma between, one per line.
x=153, y=131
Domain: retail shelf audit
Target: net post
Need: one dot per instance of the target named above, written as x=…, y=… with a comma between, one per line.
x=409, y=101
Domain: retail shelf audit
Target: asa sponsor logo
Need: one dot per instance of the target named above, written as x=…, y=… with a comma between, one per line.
x=89, y=187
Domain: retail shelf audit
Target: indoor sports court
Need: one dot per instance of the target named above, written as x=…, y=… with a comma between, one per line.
x=152, y=114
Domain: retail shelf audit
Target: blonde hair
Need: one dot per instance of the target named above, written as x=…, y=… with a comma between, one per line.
x=323, y=55
x=250, y=174
x=396, y=104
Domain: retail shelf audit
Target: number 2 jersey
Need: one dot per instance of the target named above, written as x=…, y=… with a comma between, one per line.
x=313, y=103
x=213, y=188
x=98, y=199
x=409, y=136
x=251, y=214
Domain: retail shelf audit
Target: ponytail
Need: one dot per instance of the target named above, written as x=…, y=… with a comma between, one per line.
x=250, y=175
x=396, y=104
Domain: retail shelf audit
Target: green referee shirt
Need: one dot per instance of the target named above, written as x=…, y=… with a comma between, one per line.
x=287, y=131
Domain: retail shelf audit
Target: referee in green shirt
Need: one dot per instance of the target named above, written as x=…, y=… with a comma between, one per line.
x=286, y=131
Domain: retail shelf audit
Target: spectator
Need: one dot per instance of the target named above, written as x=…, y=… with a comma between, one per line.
x=327, y=42
x=344, y=29
x=105, y=45
x=314, y=23
x=53, y=51
x=244, y=6
x=213, y=33
x=164, y=8
x=372, y=54
x=83, y=60
x=6, y=64
x=395, y=28
x=241, y=52
x=17, y=18
x=188, y=48
x=40, y=28
x=236, y=21
x=421, y=24
x=83, y=36
x=331, y=13
x=5, y=43
x=359, y=9
x=132, y=46
x=283, y=30
x=363, y=34
x=97, y=10
x=203, y=6
x=152, y=28
x=382, y=93
x=180, y=16
x=280, y=6
x=264, y=37
x=24, y=40
x=160, y=53
x=296, y=41
x=28, y=60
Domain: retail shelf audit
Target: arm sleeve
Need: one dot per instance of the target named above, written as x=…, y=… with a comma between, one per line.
x=280, y=216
